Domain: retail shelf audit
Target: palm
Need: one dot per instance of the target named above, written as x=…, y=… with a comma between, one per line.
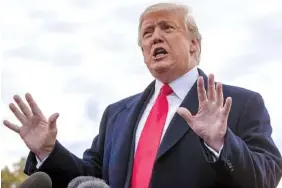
x=208, y=114
x=210, y=123
x=38, y=134
x=34, y=132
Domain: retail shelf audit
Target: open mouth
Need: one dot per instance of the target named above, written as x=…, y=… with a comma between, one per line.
x=159, y=52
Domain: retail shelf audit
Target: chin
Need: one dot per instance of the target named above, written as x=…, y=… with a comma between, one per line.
x=162, y=71
x=161, y=66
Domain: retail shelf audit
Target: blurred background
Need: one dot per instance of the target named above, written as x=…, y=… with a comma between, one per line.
x=77, y=56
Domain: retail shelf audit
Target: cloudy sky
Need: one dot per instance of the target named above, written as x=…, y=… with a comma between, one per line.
x=77, y=56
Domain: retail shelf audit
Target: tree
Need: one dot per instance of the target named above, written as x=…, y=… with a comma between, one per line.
x=13, y=178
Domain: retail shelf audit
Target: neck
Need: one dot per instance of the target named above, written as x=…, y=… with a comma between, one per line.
x=167, y=78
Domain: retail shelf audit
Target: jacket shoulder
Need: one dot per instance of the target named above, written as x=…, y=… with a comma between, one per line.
x=243, y=99
x=238, y=92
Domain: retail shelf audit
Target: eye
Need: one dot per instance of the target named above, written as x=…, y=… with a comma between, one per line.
x=147, y=33
x=168, y=28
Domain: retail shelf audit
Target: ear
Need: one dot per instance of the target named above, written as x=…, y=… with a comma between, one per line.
x=194, y=45
x=142, y=50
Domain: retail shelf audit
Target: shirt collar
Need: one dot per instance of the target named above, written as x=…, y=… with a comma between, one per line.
x=182, y=85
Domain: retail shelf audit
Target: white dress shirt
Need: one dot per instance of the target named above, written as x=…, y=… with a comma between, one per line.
x=180, y=87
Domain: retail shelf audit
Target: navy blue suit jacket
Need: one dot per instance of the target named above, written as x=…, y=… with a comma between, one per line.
x=249, y=158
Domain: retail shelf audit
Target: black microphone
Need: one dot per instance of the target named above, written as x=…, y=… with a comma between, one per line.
x=87, y=182
x=37, y=180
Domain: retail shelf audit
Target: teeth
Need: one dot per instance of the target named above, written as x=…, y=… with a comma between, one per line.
x=160, y=55
x=159, y=51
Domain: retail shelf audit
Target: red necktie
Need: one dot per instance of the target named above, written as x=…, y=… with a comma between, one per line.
x=150, y=140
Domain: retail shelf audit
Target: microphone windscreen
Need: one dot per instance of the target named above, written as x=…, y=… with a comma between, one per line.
x=37, y=180
x=78, y=180
x=96, y=183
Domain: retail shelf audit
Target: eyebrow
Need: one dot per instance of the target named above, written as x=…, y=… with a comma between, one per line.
x=162, y=22
x=148, y=27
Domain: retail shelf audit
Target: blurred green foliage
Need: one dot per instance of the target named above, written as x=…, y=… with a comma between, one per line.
x=12, y=178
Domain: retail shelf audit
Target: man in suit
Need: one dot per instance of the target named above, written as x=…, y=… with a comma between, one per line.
x=182, y=131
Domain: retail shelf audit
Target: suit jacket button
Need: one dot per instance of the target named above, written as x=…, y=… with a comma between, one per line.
x=229, y=166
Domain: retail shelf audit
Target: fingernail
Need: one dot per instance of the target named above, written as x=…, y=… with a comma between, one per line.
x=16, y=97
x=5, y=122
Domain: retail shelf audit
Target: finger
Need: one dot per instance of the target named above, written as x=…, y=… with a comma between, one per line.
x=12, y=126
x=219, y=94
x=227, y=107
x=17, y=113
x=24, y=108
x=211, y=88
x=53, y=119
x=201, y=90
x=185, y=114
x=34, y=107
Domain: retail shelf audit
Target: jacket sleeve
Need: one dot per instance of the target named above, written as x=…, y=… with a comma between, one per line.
x=62, y=166
x=250, y=159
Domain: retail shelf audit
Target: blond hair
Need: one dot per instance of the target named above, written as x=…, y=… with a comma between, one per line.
x=190, y=23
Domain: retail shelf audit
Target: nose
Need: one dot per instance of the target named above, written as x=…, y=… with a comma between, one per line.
x=157, y=36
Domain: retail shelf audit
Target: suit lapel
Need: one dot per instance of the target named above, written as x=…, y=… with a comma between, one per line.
x=178, y=127
x=134, y=111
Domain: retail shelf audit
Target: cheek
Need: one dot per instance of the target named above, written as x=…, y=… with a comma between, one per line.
x=179, y=47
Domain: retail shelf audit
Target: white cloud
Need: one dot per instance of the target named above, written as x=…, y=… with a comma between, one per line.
x=69, y=53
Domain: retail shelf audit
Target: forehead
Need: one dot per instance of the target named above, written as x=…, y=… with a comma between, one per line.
x=155, y=17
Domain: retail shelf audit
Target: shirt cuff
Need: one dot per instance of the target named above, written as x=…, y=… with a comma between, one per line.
x=39, y=162
x=215, y=153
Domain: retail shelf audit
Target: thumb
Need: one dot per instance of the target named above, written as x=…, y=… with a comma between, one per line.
x=185, y=114
x=52, y=119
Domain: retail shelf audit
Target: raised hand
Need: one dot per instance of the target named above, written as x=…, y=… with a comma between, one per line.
x=38, y=133
x=210, y=123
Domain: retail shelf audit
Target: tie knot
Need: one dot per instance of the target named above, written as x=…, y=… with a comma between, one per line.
x=166, y=90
